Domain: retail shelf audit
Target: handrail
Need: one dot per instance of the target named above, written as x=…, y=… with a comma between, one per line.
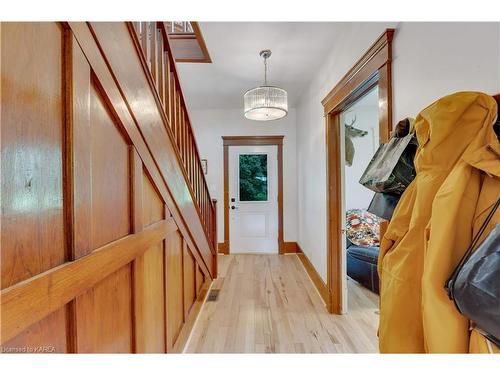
x=155, y=46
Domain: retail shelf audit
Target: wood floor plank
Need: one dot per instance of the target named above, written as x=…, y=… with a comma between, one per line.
x=268, y=304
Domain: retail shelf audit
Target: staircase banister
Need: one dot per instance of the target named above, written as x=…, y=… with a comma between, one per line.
x=163, y=27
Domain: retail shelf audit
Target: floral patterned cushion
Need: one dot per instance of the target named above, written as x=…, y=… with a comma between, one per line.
x=362, y=228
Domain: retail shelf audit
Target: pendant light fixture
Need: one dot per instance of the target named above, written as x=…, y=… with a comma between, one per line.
x=265, y=103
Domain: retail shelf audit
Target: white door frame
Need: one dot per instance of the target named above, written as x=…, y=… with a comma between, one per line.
x=266, y=140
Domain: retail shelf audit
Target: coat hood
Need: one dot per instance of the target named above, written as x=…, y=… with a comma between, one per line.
x=458, y=126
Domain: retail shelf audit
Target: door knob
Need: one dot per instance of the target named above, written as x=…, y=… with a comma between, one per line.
x=234, y=208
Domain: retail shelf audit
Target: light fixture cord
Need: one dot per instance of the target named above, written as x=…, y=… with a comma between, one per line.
x=265, y=71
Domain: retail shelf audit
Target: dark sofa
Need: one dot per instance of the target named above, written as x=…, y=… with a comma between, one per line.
x=362, y=265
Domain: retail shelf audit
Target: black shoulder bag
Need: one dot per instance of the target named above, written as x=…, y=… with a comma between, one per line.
x=474, y=286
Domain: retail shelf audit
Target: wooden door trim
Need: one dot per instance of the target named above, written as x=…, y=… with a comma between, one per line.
x=255, y=140
x=373, y=68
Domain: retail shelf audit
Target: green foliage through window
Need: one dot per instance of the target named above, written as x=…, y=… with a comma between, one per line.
x=253, y=177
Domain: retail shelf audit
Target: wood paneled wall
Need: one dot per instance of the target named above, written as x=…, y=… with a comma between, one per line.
x=100, y=248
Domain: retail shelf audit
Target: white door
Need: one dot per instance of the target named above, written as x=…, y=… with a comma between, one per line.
x=253, y=199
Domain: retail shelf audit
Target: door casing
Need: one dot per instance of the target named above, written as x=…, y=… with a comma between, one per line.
x=372, y=69
x=257, y=244
x=256, y=140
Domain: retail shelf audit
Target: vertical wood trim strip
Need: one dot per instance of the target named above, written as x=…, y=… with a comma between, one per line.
x=77, y=164
x=215, y=241
x=166, y=214
x=183, y=287
x=385, y=103
x=71, y=342
x=281, y=249
x=334, y=223
x=226, y=199
x=138, y=271
x=136, y=189
x=185, y=254
x=81, y=152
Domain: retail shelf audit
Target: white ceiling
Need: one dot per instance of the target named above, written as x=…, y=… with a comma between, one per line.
x=297, y=48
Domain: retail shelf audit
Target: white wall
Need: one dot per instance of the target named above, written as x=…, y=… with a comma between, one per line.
x=211, y=124
x=430, y=60
x=356, y=195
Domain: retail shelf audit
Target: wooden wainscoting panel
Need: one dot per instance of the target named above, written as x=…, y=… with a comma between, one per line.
x=153, y=205
x=123, y=59
x=189, y=280
x=78, y=181
x=104, y=315
x=92, y=259
x=200, y=280
x=149, y=286
x=110, y=176
x=45, y=336
x=23, y=304
x=149, y=301
x=315, y=277
x=111, y=88
x=32, y=133
x=174, y=285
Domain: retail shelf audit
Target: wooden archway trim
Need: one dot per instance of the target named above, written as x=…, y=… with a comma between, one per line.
x=373, y=68
x=261, y=140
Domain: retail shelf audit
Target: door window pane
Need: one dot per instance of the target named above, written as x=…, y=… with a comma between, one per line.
x=253, y=177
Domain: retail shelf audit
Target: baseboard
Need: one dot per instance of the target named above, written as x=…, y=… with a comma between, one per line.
x=223, y=248
x=315, y=277
x=290, y=247
x=187, y=328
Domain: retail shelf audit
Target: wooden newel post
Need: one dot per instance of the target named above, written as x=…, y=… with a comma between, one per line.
x=214, y=236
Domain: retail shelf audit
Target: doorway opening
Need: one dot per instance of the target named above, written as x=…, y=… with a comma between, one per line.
x=359, y=131
x=253, y=195
x=371, y=75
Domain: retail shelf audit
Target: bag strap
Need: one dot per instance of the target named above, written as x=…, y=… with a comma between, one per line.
x=451, y=281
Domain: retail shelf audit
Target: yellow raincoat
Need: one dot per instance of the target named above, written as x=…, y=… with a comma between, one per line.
x=457, y=182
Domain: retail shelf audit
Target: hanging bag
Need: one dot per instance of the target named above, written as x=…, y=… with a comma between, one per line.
x=391, y=169
x=474, y=286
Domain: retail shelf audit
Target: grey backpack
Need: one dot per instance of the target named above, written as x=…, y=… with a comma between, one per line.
x=474, y=286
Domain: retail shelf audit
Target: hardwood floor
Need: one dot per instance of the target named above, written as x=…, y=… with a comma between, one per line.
x=268, y=304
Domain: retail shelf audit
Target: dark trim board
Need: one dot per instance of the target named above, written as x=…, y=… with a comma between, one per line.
x=290, y=247
x=314, y=276
x=372, y=69
x=256, y=140
x=223, y=248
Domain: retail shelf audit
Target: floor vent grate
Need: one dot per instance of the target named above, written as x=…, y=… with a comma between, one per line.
x=213, y=295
